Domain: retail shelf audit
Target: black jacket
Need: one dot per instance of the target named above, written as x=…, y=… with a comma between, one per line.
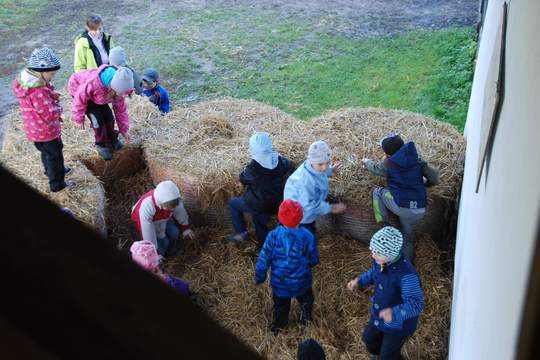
x=264, y=190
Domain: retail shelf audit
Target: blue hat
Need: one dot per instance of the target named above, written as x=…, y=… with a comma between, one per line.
x=260, y=146
x=150, y=75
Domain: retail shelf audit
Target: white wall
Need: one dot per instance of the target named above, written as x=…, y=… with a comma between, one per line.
x=496, y=227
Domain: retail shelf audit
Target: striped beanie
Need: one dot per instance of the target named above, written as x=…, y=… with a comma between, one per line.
x=387, y=242
x=43, y=60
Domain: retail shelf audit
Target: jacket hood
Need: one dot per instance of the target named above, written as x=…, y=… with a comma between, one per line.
x=166, y=191
x=406, y=156
x=27, y=80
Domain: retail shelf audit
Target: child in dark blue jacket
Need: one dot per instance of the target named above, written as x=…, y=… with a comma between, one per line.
x=155, y=92
x=398, y=298
x=291, y=252
x=407, y=176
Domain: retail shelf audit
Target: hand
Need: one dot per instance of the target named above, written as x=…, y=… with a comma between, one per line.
x=336, y=166
x=188, y=233
x=386, y=315
x=365, y=161
x=352, y=285
x=338, y=208
x=127, y=137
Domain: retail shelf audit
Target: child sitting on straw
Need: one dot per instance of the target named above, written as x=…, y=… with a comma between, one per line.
x=153, y=217
x=264, y=178
x=309, y=185
x=41, y=113
x=144, y=253
x=407, y=176
x=92, y=91
x=398, y=299
x=155, y=92
x=291, y=252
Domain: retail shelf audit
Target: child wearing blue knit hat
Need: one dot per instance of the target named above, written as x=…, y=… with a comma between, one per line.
x=398, y=298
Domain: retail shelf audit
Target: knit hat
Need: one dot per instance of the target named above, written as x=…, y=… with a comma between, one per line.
x=319, y=152
x=391, y=143
x=144, y=253
x=166, y=191
x=122, y=81
x=150, y=75
x=387, y=242
x=310, y=350
x=260, y=146
x=43, y=60
x=117, y=56
x=290, y=213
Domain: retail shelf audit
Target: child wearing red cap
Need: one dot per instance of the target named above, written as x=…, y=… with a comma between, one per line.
x=291, y=252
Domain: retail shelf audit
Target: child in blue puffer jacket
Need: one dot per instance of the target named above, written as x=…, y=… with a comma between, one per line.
x=398, y=298
x=291, y=252
x=407, y=176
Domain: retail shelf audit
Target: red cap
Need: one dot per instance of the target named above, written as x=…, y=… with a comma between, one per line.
x=290, y=213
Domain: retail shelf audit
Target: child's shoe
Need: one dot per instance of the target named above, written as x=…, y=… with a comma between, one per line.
x=104, y=152
x=117, y=145
x=237, y=238
x=68, y=185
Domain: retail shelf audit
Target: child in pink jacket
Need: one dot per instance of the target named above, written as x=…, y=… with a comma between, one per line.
x=92, y=90
x=41, y=111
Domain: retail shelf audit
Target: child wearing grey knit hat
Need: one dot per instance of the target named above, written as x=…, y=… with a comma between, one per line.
x=398, y=298
x=117, y=57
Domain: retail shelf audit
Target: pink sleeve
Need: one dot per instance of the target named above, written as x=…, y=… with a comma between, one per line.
x=121, y=115
x=80, y=99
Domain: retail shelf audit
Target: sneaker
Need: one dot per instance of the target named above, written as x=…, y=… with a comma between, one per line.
x=237, y=238
x=68, y=185
x=104, y=152
x=117, y=145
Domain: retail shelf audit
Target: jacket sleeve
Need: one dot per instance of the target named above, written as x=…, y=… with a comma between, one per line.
x=246, y=176
x=146, y=216
x=312, y=250
x=430, y=173
x=80, y=101
x=180, y=214
x=376, y=168
x=46, y=108
x=295, y=190
x=413, y=299
x=164, y=105
x=366, y=279
x=265, y=259
x=79, y=62
x=121, y=115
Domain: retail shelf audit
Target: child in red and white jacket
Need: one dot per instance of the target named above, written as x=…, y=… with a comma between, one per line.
x=41, y=113
x=154, y=214
x=92, y=90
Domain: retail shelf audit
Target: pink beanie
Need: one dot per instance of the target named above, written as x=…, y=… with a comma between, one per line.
x=144, y=253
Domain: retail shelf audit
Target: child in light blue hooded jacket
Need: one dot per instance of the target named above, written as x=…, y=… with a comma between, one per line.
x=309, y=185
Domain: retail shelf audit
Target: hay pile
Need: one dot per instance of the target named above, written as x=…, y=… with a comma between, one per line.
x=206, y=146
x=223, y=276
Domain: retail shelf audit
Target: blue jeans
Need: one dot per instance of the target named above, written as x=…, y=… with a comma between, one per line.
x=167, y=245
x=238, y=207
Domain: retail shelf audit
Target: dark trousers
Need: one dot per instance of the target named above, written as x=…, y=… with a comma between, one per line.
x=238, y=207
x=53, y=162
x=167, y=246
x=283, y=305
x=387, y=346
x=102, y=121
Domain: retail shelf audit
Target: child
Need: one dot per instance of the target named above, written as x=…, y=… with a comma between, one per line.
x=41, y=110
x=152, y=216
x=117, y=57
x=92, y=90
x=309, y=185
x=291, y=251
x=155, y=92
x=398, y=299
x=264, y=178
x=144, y=253
x=406, y=194
x=92, y=46
x=310, y=350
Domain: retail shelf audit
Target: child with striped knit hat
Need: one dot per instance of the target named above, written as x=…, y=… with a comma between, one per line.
x=398, y=298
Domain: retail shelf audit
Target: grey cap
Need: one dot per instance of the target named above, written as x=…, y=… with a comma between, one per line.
x=43, y=59
x=122, y=81
x=117, y=56
x=319, y=152
x=150, y=75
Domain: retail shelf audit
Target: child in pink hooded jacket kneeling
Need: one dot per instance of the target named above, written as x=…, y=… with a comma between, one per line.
x=92, y=90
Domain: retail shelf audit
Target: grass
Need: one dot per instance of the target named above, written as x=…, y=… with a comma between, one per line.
x=16, y=15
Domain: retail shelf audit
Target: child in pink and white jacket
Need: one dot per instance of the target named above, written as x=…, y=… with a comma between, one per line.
x=41, y=113
x=92, y=90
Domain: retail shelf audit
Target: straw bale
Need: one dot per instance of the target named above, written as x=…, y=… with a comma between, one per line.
x=223, y=277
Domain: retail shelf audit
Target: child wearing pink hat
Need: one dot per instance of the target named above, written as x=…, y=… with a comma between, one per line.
x=145, y=254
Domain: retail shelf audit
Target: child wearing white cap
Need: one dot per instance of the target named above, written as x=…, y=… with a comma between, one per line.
x=309, y=185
